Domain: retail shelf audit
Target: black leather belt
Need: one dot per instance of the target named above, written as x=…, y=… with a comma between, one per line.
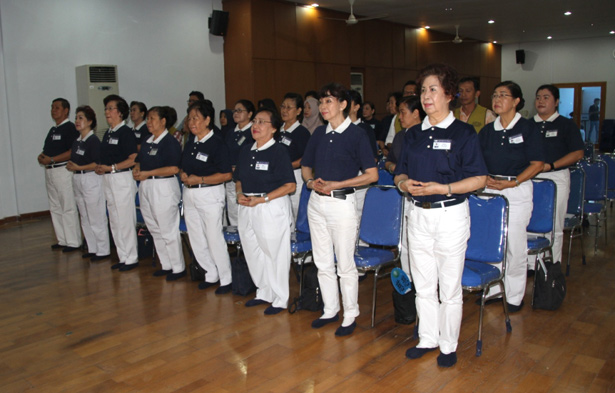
x=437, y=205
x=201, y=185
x=339, y=194
x=161, y=177
x=56, y=165
x=82, y=172
x=119, y=171
x=508, y=178
x=255, y=194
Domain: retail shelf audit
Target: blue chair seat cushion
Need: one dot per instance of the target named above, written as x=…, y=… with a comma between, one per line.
x=367, y=257
x=537, y=242
x=593, y=207
x=231, y=234
x=478, y=274
x=300, y=242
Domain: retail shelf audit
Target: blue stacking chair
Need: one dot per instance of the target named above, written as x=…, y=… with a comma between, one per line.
x=486, y=247
x=385, y=178
x=573, y=221
x=596, y=175
x=542, y=223
x=610, y=167
x=300, y=242
x=380, y=228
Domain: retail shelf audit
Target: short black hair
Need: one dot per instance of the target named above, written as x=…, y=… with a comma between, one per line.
x=167, y=113
x=355, y=97
x=247, y=104
x=338, y=91
x=120, y=103
x=64, y=102
x=89, y=114
x=274, y=117
x=475, y=81
x=554, y=90
x=298, y=103
x=206, y=109
x=198, y=95
x=311, y=93
x=515, y=92
x=140, y=105
x=414, y=103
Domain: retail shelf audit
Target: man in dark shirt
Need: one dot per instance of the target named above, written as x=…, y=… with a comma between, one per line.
x=594, y=121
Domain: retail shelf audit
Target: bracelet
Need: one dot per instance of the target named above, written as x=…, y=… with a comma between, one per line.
x=266, y=198
x=113, y=168
x=399, y=184
x=307, y=183
x=52, y=160
x=552, y=167
x=517, y=182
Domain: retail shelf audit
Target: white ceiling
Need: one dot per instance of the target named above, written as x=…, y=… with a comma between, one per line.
x=515, y=21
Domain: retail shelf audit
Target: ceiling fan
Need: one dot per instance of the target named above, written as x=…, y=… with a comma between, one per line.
x=456, y=40
x=353, y=20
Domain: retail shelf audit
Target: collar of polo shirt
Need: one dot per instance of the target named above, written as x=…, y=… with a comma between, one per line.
x=497, y=124
x=292, y=128
x=86, y=136
x=237, y=129
x=266, y=146
x=538, y=119
x=205, y=138
x=122, y=123
x=448, y=120
x=341, y=128
x=155, y=141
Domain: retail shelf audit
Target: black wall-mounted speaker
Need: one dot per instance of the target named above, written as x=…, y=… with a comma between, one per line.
x=218, y=22
x=520, y=55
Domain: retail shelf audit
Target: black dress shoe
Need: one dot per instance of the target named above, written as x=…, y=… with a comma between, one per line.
x=97, y=258
x=273, y=310
x=320, y=322
x=57, y=246
x=70, y=249
x=176, y=276
x=205, y=284
x=162, y=272
x=117, y=265
x=416, y=352
x=345, y=330
x=512, y=308
x=222, y=289
x=88, y=255
x=126, y=267
x=255, y=302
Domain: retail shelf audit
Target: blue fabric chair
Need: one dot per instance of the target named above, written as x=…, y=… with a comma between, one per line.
x=380, y=228
x=596, y=175
x=300, y=242
x=385, y=178
x=486, y=247
x=610, y=167
x=573, y=221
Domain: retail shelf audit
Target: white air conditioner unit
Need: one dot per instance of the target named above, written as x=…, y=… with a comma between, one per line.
x=94, y=83
x=356, y=82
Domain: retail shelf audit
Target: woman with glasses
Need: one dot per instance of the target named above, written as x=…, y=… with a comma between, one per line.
x=264, y=179
x=118, y=151
x=513, y=151
x=235, y=140
x=337, y=159
x=295, y=137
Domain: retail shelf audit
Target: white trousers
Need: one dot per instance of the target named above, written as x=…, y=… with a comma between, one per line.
x=520, y=204
x=265, y=237
x=203, y=212
x=231, y=202
x=62, y=206
x=90, y=200
x=120, y=190
x=562, y=185
x=159, y=205
x=296, y=196
x=438, y=240
x=405, y=255
x=333, y=228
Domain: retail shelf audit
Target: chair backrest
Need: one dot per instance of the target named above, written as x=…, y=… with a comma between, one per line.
x=543, y=213
x=589, y=152
x=385, y=178
x=382, y=216
x=595, y=180
x=488, y=228
x=577, y=191
x=302, y=224
x=610, y=168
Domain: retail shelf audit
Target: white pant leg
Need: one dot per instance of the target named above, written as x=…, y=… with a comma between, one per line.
x=62, y=206
x=159, y=206
x=296, y=196
x=79, y=187
x=404, y=255
x=333, y=226
x=266, y=229
x=203, y=212
x=91, y=202
x=231, y=202
x=120, y=190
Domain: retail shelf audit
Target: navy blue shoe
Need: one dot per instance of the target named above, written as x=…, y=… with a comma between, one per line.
x=97, y=258
x=223, y=289
x=70, y=249
x=205, y=284
x=320, y=322
x=162, y=272
x=447, y=359
x=176, y=276
x=255, y=302
x=273, y=310
x=345, y=330
x=88, y=255
x=117, y=265
x=416, y=352
x=126, y=267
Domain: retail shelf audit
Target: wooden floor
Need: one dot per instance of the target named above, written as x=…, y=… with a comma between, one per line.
x=71, y=326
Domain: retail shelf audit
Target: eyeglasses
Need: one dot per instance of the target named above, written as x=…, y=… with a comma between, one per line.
x=259, y=122
x=500, y=96
x=239, y=110
x=110, y=108
x=287, y=108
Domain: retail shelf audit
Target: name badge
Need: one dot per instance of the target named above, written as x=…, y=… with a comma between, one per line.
x=551, y=134
x=80, y=152
x=202, y=157
x=153, y=151
x=241, y=140
x=262, y=165
x=515, y=139
x=286, y=141
x=137, y=134
x=56, y=137
x=442, y=144
x=113, y=141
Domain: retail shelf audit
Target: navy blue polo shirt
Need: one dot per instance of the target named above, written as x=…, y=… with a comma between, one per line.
x=396, y=147
x=560, y=137
x=235, y=140
x=371, y=135
x=295, y=140
x=142, y=133
x=205, y=157
x=84, y=152
x=445, y=153
x=160, y=153
x=509, y=151
x=117, y=145
x=60, y=139
x=338, y=156
x=263, y=170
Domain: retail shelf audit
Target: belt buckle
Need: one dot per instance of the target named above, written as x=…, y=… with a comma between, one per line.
x=338, y=194
x=426, y=205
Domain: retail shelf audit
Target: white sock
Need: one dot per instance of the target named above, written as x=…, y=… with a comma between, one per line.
x=347, y=321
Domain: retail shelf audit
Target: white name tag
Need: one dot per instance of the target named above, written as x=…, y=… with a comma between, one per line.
x=551, y=134
x=137, y=134
x=515, y=139
x=56, y=137
x=202, y=157
x=113, y=141
x=241, y=140
x=442, y=144
x=262, y=165
x=80, y=152
x=286, y=141
x=153, y=151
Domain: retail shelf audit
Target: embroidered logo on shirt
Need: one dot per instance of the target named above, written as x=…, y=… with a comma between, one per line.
x=202, y=157
x=515, y=139
x=262, y=165
x=442, y=144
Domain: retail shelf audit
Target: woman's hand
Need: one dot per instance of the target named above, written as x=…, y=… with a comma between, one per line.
x=71, y=166
x=191, y=180
x=323, y=186
x=102, y=169
x=417, y=188
x=500, y=184
x=243, y=200
x=139, y=175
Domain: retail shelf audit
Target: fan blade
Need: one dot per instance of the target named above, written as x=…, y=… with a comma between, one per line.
x=373, y=17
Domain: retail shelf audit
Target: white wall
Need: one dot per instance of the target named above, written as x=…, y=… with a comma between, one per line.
x=588, y=60
x=162, y=48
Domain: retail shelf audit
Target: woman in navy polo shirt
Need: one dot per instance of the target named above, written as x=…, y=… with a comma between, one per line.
x=295, y=137
x=205, y=168
x=87, y=186
x=264, y=179
x=513, y=151
x=338, y=158
x=440, y=164
x=118, y=151
x=157, y=164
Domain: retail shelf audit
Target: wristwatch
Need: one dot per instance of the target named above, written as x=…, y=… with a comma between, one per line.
x=113, y=168
x=450, y=192
x=266, y=198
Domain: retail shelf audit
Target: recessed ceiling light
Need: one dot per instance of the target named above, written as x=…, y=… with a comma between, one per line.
x=495, y=42
x=612, y=32
x=427, y=27
x=549, y=37
x=567, y=13
x=491, y=21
